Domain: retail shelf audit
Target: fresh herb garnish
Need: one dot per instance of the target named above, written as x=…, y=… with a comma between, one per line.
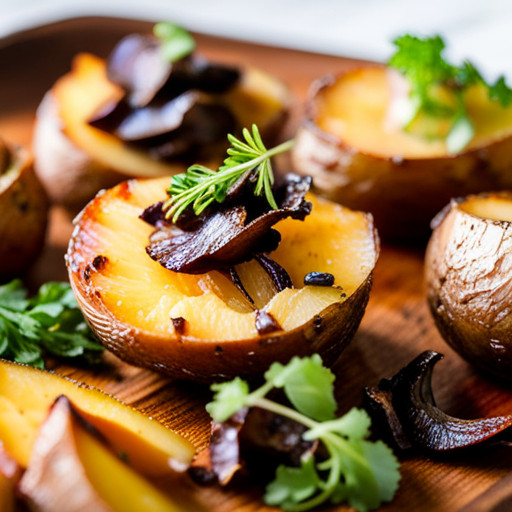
x=199, y=186
x=176, y=42
x=49, y=322
x=423, y=65
x=356, y=470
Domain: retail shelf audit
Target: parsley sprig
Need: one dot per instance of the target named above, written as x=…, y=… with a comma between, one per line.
x=358, y=471
x=48, y=322
x=199, y=186
x=422, y=63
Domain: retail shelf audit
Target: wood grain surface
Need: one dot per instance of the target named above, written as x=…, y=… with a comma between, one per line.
x=397, y=325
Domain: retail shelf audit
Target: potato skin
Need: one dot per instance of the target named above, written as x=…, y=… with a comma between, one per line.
x=69, y=175
x=328, y=333
x=403, y=194
x=23, y=217
x=468, y=273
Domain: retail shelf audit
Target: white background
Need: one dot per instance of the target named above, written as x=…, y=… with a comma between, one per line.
x=475, y=29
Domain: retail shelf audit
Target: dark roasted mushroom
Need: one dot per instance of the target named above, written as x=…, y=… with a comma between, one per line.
x=250, y=439
x=229, y=236
x=404, y=405
x=167, y=107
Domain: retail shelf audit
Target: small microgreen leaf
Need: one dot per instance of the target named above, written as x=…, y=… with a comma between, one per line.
x=229, y=398
x=176, y=42
x=293, y=485
x=307, y=384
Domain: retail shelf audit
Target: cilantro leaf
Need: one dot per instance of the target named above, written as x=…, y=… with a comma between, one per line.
x=355, y=470
x=384, y=467
x=293, y=485
x=50, y=322
x=307, y=384
x=229, y=398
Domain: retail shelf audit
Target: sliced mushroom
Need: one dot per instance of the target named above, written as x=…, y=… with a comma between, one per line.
x=404, y=405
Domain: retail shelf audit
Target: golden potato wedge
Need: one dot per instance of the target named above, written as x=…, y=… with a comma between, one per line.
x=74, y=160
x=468, y=272
x=71, y=468
x=23, y=212
x=26, y=394
x=362, y=160
x=199, y=326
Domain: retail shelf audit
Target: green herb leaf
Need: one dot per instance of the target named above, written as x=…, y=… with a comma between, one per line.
x=293, y=485
x=422, y=63
x=176, y=42
x=358, y=471
x=199, y=186
x=229, y=398
x=50, y=322
x=461, y=133
x=307, y=384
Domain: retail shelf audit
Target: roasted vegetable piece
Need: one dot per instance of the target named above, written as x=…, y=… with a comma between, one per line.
x=134, y=304
x=468, y=269
x=356, y=156
x=23, y=211
x=71, y=468
x=404, y=406
x=26, y=394
x=75, y=159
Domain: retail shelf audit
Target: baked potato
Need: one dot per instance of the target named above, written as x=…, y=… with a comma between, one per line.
x=199, y=326
x=75, y=159
x=468, y=272
x=358, y=156
x=23, y=211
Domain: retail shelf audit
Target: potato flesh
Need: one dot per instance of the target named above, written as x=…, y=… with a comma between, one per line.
x=27, y=393
x=498, y=207
x=118, y=485
x=355, y=109
x=79, y=95
x=332, y=239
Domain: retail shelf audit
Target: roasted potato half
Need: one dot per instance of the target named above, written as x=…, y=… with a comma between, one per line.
x=23, y=211
x=200, y=327
x=359, y=157
x=468, y=270
x=74, y=159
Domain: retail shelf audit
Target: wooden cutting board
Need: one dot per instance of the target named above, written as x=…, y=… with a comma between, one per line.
x=397, y=325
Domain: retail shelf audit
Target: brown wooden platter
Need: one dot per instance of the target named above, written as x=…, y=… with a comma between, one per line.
x=397, y=325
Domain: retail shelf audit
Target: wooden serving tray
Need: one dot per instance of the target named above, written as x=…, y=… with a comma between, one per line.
x=397, y=325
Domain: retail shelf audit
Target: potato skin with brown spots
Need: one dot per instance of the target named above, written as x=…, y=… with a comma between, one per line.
x=468, y=273
x=23, y=215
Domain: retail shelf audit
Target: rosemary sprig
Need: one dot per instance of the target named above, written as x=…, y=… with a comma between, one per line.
x=199, y=186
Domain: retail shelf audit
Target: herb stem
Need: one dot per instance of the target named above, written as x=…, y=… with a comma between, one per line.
x=282, y=410
x=200, y=186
